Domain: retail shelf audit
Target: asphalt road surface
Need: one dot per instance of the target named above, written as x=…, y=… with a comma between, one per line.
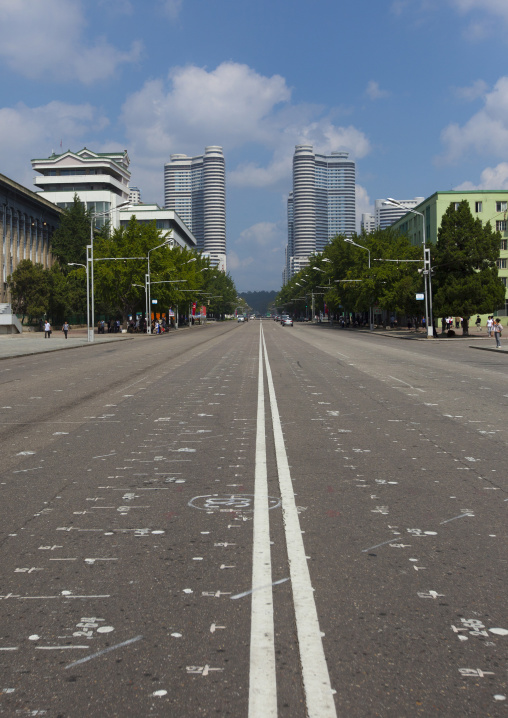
x=254, y=521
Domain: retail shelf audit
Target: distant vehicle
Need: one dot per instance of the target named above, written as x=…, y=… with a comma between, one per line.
x=283, y=318
x=241, y=319
x=287, y=322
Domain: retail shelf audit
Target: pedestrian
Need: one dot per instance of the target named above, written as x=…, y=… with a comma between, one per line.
x=497, y=329
x=47, y=330
x=478, y=323
x=65, y=328
x=490, y=323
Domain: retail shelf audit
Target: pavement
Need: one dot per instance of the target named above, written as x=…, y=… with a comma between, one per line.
x=481, y=340
x=29, y=343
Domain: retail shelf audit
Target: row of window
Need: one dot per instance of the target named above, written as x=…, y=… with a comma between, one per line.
x=478, y=206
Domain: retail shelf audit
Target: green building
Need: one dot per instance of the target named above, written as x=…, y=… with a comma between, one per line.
x=489, y=205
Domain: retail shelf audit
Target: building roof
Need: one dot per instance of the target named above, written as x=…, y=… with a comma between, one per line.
x=34, y=196
x=119, y=158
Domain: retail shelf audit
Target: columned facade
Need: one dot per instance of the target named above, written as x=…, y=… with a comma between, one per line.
x=27, y=223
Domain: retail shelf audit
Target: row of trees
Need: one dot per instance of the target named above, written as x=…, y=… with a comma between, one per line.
x=464, y=280
x=178, y=275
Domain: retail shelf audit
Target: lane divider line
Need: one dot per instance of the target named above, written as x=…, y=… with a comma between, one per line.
x=262, y=674
x=316, y=679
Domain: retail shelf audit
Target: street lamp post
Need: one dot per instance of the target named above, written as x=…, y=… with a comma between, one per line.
x=77, y=264
x=371, y=322
x=166, y=242
x=89, y=249
x=427, y=270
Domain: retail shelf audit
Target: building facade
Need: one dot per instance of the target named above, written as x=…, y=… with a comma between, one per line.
x=386, y=215
x=368, y=223
x=27, y=223
x=134, y=195
x=195, y=188
x=100, y=180
x=165, y=220
x=321, y=205
x=487, y=205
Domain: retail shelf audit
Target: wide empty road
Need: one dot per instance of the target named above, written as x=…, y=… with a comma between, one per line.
x=254, y=521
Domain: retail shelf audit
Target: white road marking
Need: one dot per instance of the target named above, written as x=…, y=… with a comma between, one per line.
x=106, y=650
x=262, y=680
x=316, y=680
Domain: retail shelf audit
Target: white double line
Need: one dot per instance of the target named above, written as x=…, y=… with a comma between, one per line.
x=316, y=680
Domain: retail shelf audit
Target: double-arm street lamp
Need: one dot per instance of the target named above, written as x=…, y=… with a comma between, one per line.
x=427, y=270
x=350, y=241
x=89, y=258
x=167, y=242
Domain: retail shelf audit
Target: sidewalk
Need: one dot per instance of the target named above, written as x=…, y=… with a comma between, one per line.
x=405, y=335
x=16, y=345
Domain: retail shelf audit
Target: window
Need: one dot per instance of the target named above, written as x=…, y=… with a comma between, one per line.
x=501, y=225
x=503, y=280
x=457, y=204
x=501, y=206
x=503, y=244
x=501, y=263
x=478, y=206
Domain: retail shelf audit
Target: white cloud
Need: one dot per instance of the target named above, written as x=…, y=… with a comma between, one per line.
x=30, y=132
x=235, y=107
x=45, y=40
x=264, y=234
x=495, y=7
x=234, y=262
x=473, y=92
x=171, y=8
x=374, y=92
x=491, y=178
x=363, y=205
x=486, y=132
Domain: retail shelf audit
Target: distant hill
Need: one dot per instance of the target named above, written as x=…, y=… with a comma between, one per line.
x=259, y=301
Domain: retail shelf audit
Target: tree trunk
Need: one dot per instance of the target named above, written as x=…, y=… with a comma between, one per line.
x=465, y=327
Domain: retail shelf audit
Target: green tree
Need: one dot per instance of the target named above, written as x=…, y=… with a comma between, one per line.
x=465, y=278
x=69, y=241
x=30, y=290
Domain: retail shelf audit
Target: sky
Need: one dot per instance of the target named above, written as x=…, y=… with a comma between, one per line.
x=415, y=90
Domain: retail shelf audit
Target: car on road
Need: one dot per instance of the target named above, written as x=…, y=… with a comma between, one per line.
x=241, y=319
x=287, y=322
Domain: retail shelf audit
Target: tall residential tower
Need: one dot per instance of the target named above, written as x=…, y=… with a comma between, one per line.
x=322, y=204
x=195, y=188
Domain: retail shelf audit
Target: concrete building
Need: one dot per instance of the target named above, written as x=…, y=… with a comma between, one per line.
x=321, y=205
x=134, y=195
x=195, y=188
x=27, y=223
x=101, y=180
x=166, y=220
x=488, y=205
x=368, y=223
x=386, y=215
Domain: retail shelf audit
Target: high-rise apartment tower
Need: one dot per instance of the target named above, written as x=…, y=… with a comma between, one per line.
x=322, y=204
x=195, y=188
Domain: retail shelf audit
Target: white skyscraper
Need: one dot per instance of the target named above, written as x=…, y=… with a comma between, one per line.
x=195, y=188
x=322, y=204
x=386, y=214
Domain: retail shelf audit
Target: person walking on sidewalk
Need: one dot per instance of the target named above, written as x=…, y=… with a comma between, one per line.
x=47, y=330
x=497, y=329
x=490, y=324
x=65, y=328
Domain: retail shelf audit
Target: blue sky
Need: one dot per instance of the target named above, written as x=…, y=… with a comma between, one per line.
x=415, y=90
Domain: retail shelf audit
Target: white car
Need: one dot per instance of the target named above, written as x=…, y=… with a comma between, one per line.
x=287, y=322
x=241, y=319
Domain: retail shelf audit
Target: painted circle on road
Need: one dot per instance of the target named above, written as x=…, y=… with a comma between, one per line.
x=229, y=502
